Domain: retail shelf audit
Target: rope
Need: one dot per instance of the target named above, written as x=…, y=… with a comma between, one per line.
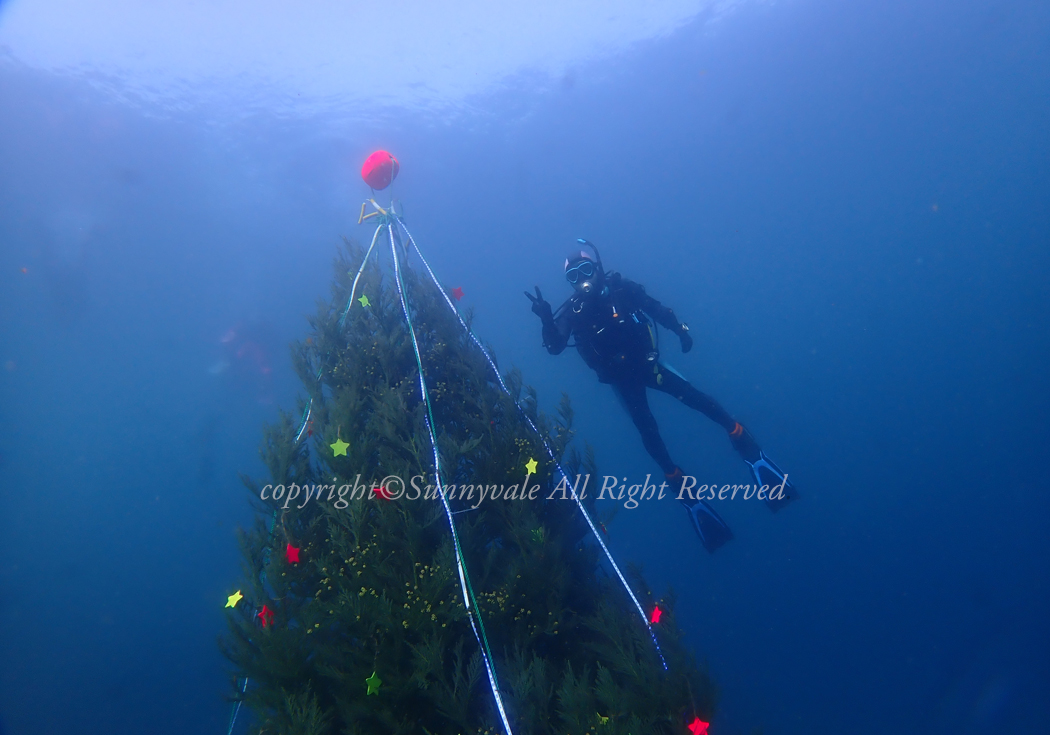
x=469, y=602
x=353, y=289
x=546, y=446
x=305, y=420
x=262, y=578
x=237, y=708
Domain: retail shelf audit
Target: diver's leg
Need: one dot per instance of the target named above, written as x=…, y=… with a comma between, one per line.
x=632, y=395
x=762, y=467
x=674, y=384
x=709, y=526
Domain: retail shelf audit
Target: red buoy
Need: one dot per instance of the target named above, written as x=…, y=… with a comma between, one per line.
x=380, y=170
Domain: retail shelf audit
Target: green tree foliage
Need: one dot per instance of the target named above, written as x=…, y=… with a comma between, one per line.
x=376, y=588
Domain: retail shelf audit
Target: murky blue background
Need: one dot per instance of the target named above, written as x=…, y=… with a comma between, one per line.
x=847, y=202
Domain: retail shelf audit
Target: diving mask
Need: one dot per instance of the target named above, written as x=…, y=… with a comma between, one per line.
x=584, y=269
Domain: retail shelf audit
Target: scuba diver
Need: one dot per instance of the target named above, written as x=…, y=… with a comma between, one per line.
x=611, y=318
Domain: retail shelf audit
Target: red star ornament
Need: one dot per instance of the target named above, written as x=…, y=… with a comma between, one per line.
x=457, y=293
x=266, y=616
x=293, y=554
x=657, y=612
x=383, y=493
x=698, y=726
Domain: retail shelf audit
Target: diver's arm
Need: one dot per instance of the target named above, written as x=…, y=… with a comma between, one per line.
x=663, y=315
x=555, y=330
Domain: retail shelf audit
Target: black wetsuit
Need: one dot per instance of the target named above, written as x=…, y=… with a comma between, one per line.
x=615, y=337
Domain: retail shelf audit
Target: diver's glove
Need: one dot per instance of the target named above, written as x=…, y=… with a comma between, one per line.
x=540, y=307
x=683, y=334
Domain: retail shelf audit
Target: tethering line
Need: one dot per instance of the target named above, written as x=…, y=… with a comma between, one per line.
x=473, y=613
x=546, y=445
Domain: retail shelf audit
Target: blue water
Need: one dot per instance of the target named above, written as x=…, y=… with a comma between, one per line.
x=848, y=203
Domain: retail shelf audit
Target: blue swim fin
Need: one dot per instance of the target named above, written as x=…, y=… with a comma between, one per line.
x=709, y=526
x=780, y=492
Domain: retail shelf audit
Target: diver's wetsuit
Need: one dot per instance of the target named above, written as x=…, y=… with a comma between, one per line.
x=609, y=316
x=616, y=339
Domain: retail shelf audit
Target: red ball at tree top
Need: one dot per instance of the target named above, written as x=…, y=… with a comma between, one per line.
x=380, y=170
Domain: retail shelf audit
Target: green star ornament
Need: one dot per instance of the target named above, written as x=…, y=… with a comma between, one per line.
x=339, y=448
x=373, y=682
x=364, y=300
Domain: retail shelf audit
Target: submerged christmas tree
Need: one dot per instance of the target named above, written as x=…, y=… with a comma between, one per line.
x=354, y=618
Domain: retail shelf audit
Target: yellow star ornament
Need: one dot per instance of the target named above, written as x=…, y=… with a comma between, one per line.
x=233, y=599
x=602, y=720
x=364, y=300
x=530, y=466
x=373, y=682
x=339, y=448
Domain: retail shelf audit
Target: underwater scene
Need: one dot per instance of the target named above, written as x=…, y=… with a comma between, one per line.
x=524, y=368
